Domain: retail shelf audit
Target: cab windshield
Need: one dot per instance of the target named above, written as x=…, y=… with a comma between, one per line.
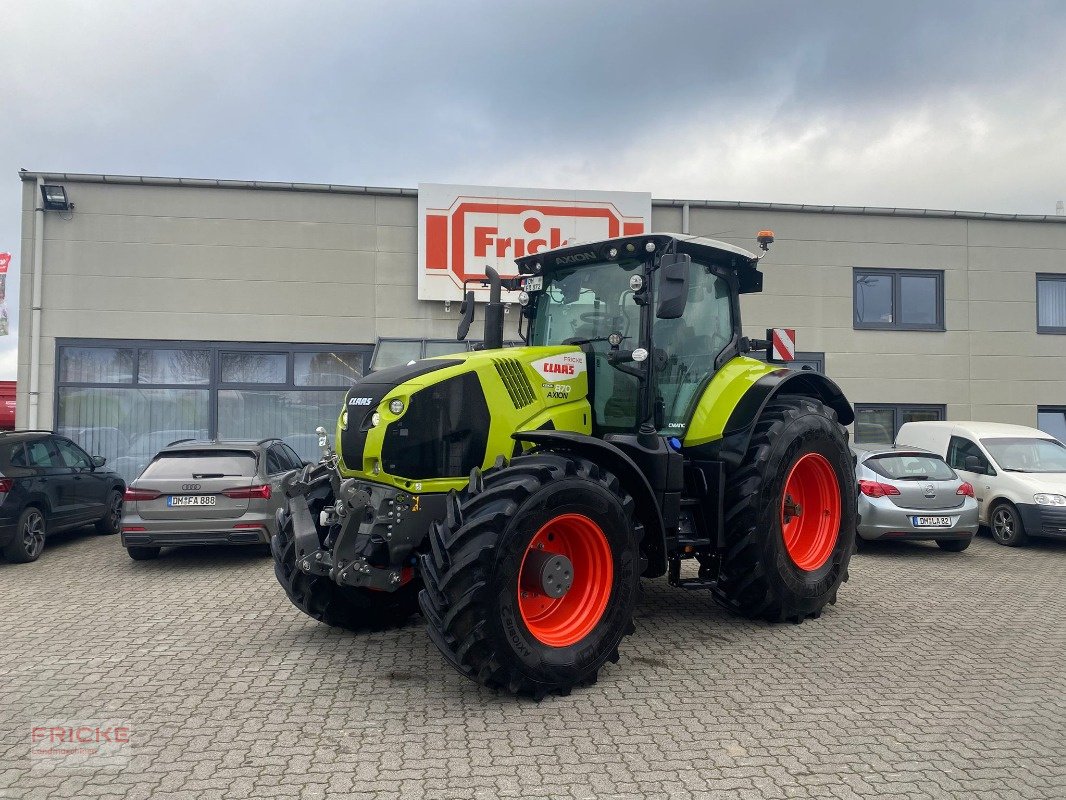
x=1025, y=454
x=584, y=305
x=589, y=302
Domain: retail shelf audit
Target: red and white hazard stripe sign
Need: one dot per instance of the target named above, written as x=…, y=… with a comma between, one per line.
x=782, y=344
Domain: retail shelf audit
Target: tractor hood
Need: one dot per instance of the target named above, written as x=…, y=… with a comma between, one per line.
x=425, y=425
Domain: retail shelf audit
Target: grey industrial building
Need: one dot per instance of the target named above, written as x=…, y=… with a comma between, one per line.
x=161, y=307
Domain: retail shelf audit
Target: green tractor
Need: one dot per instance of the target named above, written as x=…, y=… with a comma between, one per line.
x=516, y=496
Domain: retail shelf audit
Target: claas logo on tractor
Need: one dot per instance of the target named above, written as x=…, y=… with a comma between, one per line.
x=515, y=497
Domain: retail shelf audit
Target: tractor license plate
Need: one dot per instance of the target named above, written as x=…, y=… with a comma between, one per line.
x=533, y=284
x=931, y=522
x=191, y=500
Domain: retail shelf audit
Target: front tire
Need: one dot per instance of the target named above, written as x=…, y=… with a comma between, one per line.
x=502, y=603
x=348, y=607
x=1006, y=525
x=30, y=531
x=790, y=515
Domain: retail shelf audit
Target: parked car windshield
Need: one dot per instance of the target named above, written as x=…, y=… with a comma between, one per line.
x=202, y=464
x=1027, y=454
x=911, y=467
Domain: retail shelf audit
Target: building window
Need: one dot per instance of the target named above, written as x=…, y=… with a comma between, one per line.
x=898, y=299
x=878, y=423
x=127, y=400
x=1052, y=419
x=1051, y=303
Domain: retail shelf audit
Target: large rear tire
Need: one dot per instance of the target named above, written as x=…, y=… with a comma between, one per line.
x=790, y=515
x=348, y=607
x=493, y=602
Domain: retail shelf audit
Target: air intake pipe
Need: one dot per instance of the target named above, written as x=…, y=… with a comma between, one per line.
x=493, y=312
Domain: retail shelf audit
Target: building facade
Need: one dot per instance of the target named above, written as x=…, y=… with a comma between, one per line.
x=156, y=309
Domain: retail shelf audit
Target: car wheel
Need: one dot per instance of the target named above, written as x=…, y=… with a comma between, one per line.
x=29, y=537
x=143, y=553
x=112, y=519
x=953, y=545
x=1007, y=528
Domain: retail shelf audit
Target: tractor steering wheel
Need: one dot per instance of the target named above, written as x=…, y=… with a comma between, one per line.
x=592, y=317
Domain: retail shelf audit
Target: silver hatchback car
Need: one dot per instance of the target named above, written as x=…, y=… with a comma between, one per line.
x=907, y=493
x=196, y=492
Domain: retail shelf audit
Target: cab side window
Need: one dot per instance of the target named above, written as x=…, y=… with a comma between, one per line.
x=280, y=458
x=73, y=456
x=294, y=461
x=960, y=449
x=42, y=453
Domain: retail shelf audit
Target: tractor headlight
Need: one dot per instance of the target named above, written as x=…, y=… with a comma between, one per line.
x=612, y=253
x=344, y=420
x=375, y=419
x=396, y=406
x=649, y=246
x=523, y=298
x=1049, y=499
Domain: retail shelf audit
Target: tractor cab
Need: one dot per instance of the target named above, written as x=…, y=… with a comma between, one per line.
x=656, y=315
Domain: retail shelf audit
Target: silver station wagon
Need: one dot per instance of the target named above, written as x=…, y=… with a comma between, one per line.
x=908, y=493
x=197, y=492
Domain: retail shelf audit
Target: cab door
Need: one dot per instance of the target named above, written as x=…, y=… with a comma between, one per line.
x=959, y=450
x=90, y=486
x=53, y=479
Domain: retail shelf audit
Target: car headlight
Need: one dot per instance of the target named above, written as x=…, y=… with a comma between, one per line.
x=1049, y=499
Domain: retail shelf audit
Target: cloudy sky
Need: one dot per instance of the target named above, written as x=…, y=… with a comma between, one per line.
x=957, y=105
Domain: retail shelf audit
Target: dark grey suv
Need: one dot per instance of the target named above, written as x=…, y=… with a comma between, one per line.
x=206, y=492
x=49, y=484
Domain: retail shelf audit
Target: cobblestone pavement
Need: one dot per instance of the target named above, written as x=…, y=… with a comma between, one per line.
x=937, y=675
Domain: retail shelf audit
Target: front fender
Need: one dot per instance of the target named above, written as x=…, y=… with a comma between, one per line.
x=625, y=469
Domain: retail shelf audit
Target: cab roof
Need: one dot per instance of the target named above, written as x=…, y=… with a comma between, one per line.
x=700, y=248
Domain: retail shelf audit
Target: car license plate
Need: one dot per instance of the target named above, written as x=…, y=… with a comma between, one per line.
x=191, y=500
x=931, y=522
x=533, y=284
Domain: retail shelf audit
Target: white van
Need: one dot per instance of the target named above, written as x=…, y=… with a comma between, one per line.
x=1018, y=473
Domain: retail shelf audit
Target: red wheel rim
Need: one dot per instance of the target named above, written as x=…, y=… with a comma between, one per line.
x=810, y=512
x=563, y=621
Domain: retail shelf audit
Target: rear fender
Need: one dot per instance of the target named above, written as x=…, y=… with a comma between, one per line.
x=731, y=445
x=621, y=465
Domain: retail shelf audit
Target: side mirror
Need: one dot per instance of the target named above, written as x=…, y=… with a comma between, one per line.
x=467, y=310
x=973, y=464
x=99, y=461
x=673, y=285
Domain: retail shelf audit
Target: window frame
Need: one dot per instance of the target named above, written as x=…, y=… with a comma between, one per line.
x=1050, y=409
x=897, y=299
x=1058, y=277
x=897, y=410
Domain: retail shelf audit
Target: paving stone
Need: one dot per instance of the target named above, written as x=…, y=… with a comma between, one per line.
x=936, y=675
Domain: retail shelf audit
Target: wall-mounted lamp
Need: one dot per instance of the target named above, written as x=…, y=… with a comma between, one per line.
x=55, y=198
